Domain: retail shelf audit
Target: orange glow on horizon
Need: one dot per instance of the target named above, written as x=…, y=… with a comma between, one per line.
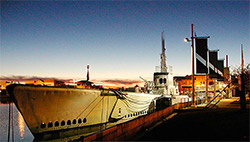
x=110, y=83
x=115, y=84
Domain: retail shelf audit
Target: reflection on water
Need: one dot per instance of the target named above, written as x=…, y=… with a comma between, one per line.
x=21, y=125
x=20, y=130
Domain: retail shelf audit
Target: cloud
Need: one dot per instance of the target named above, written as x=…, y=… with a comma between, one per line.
x=22, y=78
x=103, y=82
x=119, y=82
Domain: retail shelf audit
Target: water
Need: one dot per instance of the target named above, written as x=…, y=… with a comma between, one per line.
x=20, y=130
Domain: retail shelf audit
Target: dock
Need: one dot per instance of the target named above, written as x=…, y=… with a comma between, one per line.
x=225, y=122
x=183, y=122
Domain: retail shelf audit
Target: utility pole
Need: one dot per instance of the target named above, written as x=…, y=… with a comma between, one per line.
x=192, y=54
x=192, y=46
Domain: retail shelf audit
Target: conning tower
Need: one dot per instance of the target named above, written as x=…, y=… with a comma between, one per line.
x=161, y=76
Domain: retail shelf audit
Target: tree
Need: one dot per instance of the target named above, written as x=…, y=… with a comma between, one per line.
x=241, y=77
x=237, y=71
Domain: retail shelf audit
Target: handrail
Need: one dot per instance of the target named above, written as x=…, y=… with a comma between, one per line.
x=207, y=106
x=216, y=103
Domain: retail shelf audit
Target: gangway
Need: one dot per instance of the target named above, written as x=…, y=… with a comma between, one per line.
x=212, y=105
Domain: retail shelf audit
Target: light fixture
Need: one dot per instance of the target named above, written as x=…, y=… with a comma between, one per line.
x=187, y=40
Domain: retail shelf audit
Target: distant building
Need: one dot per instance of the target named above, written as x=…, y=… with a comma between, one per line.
x=84, y=84
x=3, y=84
x=41, y=82
x=185, y=85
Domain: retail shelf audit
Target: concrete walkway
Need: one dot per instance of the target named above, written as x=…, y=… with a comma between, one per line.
x=225, y=122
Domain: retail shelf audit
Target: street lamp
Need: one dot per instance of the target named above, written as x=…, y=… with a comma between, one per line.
x=192, y=47
x=187, y=40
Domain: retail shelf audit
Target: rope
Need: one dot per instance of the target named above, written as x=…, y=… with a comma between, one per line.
x=107, y=111
x=86, y=107
x=94, y=107
x=101, y=115
x=91, y=109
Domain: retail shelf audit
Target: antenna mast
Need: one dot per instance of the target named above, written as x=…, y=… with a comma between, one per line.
x=163, y=56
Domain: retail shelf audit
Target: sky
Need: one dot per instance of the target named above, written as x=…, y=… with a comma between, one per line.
x=118, y=39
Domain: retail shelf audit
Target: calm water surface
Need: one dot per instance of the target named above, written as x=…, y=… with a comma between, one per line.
x=20, y=130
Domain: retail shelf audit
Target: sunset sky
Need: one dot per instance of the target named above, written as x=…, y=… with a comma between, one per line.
x=119, y=40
